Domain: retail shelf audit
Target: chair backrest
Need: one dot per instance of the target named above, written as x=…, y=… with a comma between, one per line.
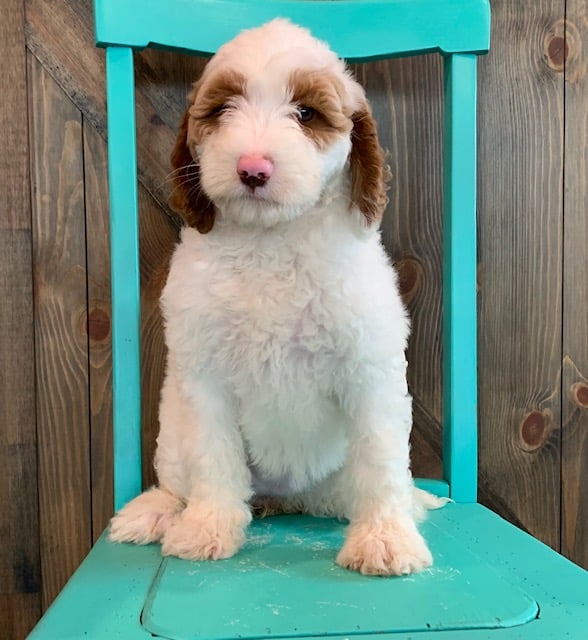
x=357, y=30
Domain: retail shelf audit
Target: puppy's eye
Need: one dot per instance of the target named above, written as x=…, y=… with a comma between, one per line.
x=221, y=108
x=305, y=114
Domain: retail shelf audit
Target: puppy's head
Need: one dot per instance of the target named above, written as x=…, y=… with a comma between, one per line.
x=275, y=118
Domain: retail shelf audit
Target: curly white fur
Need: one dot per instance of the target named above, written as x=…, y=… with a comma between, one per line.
x=285, y=329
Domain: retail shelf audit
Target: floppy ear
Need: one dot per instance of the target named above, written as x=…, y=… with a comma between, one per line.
x=368, y=169
x=187, y=197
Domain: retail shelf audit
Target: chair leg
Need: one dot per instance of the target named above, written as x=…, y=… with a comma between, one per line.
x=459, y=279
x=124, y=249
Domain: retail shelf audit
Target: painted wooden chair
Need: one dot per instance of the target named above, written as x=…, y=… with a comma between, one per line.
x=490, y=579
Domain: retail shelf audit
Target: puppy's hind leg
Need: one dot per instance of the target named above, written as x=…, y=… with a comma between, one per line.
x=146, y=518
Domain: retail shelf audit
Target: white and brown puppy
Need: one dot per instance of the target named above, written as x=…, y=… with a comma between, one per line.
x=286, y=373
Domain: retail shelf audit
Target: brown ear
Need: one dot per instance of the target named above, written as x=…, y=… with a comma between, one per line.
x=368, y=169
x=187, y=197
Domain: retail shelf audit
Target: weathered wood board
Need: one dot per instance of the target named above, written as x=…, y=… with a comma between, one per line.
x=520, y=223
x=20, y=577
x=61, y=343
x=574, y=517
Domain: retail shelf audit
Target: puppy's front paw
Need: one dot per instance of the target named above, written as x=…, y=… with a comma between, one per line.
x=145, y=518
x=206, y=531
x=392, y=547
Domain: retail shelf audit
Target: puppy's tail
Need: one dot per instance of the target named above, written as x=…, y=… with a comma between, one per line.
x=425, y=501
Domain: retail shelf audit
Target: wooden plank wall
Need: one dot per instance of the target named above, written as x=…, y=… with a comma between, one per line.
x=55, y=370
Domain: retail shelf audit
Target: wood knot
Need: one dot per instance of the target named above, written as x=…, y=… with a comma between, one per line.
x=535, y=429
x=98, y=325
x=579, y=394
x=555, y=46
x=410, y=275
x=557, y=50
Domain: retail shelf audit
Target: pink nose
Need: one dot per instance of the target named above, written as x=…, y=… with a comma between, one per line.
x=254, y=170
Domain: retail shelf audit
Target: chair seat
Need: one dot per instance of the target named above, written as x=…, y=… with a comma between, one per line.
x=490, y=580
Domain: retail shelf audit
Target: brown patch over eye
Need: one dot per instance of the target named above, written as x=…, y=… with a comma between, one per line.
x=317, y=96
x=211, y=98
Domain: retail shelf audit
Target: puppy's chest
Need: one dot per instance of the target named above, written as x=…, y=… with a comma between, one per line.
x=280, y=325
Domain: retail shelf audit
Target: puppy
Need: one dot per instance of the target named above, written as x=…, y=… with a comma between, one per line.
x=286, y=374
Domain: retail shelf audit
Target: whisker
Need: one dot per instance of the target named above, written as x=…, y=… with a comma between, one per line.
x=196, y=189
x=192, y=186
x=190, y=171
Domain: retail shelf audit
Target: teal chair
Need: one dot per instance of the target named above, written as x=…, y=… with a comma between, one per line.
x=490, y=580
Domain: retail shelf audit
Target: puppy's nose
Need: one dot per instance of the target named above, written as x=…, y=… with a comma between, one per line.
x=254, y=170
